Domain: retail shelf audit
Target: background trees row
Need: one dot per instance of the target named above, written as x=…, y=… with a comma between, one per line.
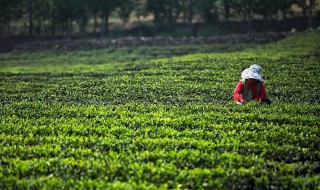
x=49, y=17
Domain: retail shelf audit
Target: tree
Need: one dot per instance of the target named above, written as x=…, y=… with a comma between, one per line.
x=227, y=6
x=66, y=14
x=82, y=12
x=40, y=16
x=188, y=9
x=94, y=8
x=242, y=8
x=106, y=8
x=267, y=9
x=69, y=11
x=247, y=10
x=284, y=6
x=30, y=15
x=125, y=8
x=163, y=11
x=311, y=6
x=307, y=5
x=208, y=10
x=9, y=10
x=303, y=5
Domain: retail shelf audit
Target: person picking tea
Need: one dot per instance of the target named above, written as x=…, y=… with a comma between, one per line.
x=251, y=86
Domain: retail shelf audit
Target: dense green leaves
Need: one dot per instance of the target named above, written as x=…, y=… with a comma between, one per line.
x=69, y=17
x=9, y=10
x=83, y=119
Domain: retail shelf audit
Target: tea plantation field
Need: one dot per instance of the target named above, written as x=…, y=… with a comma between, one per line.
x=160, y=118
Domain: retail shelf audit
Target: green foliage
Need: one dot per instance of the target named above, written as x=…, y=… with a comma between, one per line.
x=102, y=60
x=85, y=120
x=58, y=17
x=10, y=10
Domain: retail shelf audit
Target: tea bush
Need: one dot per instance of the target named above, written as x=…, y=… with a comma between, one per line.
x=99, y=119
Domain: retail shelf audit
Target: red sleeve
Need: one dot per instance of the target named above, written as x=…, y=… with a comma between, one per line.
x=262, y=93
x=237, y=92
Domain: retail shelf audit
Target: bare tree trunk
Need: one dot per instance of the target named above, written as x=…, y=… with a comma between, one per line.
x=310, y=12
x=41, y=27
x=95, y=23
x=139, y=23
x=30, y=14
x=249, y=19
x=266, y=23
x=227, y=11
x=53, y=24
x=190, y=18
x=106, y=24
x=102, y=26
x=304, y=10
x=191, y=27
x=285, y=19
x=69, y=28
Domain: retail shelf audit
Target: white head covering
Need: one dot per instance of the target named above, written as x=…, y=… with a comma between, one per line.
x=251, y=74
x=256, y=68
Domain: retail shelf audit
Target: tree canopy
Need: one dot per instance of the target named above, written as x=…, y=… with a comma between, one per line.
x=46, y=17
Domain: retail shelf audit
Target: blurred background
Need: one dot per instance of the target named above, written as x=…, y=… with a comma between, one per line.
x=81, y=19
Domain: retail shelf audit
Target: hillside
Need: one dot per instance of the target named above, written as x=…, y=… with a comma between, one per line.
x=160, y=118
